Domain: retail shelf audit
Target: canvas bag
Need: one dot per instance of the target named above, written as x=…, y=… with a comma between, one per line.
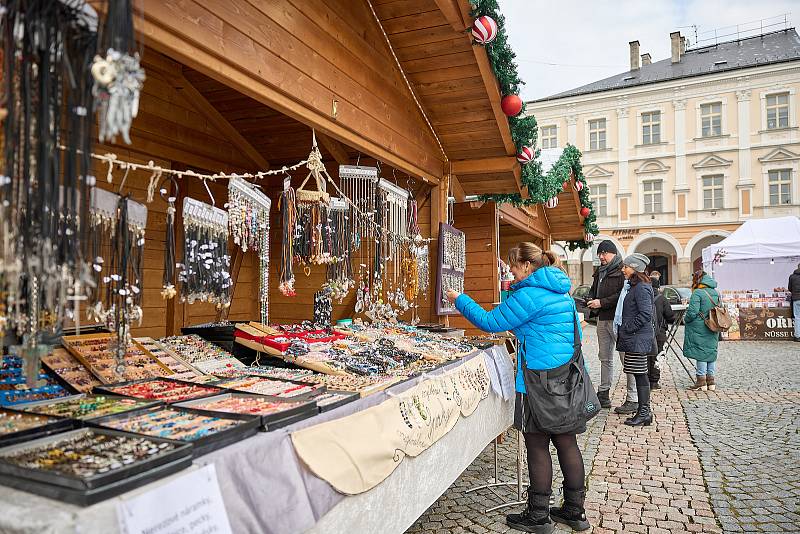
x=562, y=400
x=718, y=319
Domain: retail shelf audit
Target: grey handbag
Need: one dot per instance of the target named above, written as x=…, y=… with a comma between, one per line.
x=561, y=400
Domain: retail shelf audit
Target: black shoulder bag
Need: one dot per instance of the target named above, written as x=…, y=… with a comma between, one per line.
x=562, y=400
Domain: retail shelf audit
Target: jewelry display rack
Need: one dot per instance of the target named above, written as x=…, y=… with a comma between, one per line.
x=450, y=267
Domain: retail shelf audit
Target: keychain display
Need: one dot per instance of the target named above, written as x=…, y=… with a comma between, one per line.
x=248, y=219
x=118, y=76
x=205, y=273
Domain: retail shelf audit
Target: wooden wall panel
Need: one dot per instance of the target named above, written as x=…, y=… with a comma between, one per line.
x=299, y=58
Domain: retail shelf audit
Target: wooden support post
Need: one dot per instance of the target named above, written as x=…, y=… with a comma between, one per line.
x=438, y=214
x=175, y=308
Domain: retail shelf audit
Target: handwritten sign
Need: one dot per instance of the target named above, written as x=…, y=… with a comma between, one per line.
x=191, y=504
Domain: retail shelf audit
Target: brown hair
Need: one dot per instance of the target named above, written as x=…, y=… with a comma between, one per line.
x=527, y=251
x=637, y=277
x=697, y=277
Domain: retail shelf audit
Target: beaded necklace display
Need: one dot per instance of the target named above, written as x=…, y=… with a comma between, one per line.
x=205, y=273
x=248, y=220
x=288, y=209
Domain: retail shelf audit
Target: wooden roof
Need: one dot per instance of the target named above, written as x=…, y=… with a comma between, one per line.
x=456, y=87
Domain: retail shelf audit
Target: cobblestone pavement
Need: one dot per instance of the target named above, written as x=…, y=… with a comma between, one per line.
x=748, y=435
x=727, y=461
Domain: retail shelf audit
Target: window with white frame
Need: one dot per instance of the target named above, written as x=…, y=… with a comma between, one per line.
x=651, y=127
x=597, y=134
x=780, y=187
x=549, y=136
x=777, y=111
x=713, y=192
x=711, y=119
x=600, y=199
x=652, y=197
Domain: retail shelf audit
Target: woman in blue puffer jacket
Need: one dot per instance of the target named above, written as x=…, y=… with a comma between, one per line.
x=542, y=315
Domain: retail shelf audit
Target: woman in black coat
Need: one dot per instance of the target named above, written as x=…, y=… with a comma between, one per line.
x=635, y=333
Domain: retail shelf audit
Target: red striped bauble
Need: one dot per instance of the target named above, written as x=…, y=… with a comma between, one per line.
x=588, y=237
x=484, y=30
x=552, y=203
x=578, y=186
x=525, y=155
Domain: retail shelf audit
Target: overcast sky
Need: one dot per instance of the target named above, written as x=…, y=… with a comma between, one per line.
x=568, y=43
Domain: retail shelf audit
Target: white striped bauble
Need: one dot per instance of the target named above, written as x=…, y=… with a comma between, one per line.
x=484, y=30
x=588, y=237
x=552, y=203
x=578, y=186
x=525, y=155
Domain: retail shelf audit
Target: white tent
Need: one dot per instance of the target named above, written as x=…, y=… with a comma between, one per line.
x=759, y=238
x=771, y=243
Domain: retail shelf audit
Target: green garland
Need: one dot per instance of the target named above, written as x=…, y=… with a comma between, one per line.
x=541, y=187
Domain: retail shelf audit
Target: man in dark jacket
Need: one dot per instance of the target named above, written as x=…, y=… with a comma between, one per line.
x=662, y=314
x=794, y=290
x=602, y=300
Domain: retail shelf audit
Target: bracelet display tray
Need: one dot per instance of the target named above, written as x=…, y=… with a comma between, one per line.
x=319, y=388
x=268, y=422
x=89, y=490
x=51, y=425
x=110, y=389
x=349, y=397
x=248, y=426
x=141, y=404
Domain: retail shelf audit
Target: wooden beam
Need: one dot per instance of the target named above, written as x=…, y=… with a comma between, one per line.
x=452, y=13
x=486, y=165
x=196, y=98
x=456, y=189
x=524, y=221
x=337, y=149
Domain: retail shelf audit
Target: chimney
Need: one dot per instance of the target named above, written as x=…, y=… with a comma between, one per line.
x=634, y=55
x=675, y=46
x=645, y=59
x=683, y=46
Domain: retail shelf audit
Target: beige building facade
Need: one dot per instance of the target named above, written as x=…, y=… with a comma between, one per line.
x=677, y=154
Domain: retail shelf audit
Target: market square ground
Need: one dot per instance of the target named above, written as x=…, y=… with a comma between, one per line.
x=723, y=462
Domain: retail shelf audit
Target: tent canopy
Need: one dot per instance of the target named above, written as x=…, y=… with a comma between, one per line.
x=759, y=238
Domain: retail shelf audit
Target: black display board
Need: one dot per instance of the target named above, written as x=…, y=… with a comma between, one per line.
x=450, y=266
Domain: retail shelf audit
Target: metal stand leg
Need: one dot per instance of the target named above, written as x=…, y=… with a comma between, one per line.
x=519, y=483
x=494, y=481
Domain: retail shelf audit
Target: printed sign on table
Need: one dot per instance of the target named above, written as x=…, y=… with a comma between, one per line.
x=190, y=504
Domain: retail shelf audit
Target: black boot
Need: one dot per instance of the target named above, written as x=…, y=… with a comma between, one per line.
x=535, y=518
x=604, y=398
x=644, y=416
x=572, y=513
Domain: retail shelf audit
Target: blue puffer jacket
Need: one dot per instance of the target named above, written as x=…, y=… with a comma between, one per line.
x=541, y=314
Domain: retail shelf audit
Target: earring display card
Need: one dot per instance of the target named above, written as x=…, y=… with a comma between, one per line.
x=90, y=465
x=451, y=265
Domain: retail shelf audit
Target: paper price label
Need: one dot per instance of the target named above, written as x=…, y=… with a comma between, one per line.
x=191, y=504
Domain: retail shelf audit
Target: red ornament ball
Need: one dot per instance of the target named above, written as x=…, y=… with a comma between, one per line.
x=578, y=185
x=552, y=203
x=565, y=185
x=511, y=105
x=484, y=30
x=525, y=155
x=584, y=212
